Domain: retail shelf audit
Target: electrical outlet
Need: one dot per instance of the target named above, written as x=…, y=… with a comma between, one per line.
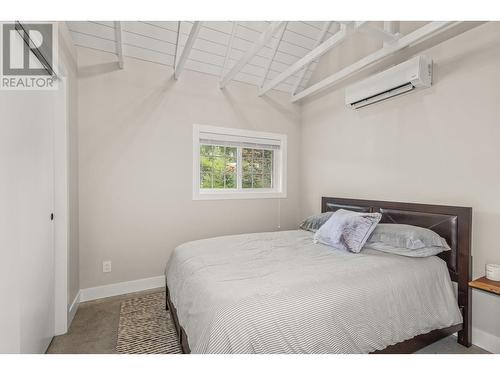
x=106, y=266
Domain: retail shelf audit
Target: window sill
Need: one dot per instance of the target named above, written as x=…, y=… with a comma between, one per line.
x=199, y=196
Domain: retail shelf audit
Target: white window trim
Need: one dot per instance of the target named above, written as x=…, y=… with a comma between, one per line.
x=279, y=176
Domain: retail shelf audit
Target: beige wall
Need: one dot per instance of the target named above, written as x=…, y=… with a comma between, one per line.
x=135, y=164
x=439, y=145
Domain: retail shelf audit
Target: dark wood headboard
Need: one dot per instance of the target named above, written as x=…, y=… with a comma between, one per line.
x=452, y=223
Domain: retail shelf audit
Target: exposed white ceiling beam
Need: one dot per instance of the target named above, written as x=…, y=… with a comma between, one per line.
x=276, y=45
x=392, y=27
x=229, y=48
x=263, y=39
x=195, y=29
x=319, y=40
x=176, y=57
x=119, y=43
x=415, y=37
x=376, y=32
x=320, y=50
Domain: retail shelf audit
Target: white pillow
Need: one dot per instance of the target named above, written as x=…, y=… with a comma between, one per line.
x=347, y=230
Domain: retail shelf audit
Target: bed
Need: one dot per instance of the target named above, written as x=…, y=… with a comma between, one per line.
x=279, y=292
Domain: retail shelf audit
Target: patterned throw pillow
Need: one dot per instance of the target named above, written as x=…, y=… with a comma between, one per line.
x=347, y=230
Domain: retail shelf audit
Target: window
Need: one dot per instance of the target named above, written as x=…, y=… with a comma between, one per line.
x=238, y=164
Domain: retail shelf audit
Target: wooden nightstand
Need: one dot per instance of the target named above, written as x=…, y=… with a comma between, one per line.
x=487, y=285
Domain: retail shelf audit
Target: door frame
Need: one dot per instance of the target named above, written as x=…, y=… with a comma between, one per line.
x=61, y=205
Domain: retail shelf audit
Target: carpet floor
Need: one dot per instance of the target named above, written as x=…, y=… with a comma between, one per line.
x=139, y=323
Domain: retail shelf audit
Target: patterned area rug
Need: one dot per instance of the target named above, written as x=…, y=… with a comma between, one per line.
x=146, y=327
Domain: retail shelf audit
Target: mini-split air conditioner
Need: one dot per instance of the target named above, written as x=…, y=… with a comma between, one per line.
x=410, y=75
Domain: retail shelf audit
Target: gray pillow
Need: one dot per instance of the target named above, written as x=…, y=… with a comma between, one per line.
x=314, y=222
x=413, y=253
x=347, y=230
x=407, y=236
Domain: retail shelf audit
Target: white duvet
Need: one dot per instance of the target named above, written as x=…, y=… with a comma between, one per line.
x=279, y=292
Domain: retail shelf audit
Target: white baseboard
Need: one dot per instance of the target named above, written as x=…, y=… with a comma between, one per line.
x=74, y=307
x=117, y=289
x=486, y=340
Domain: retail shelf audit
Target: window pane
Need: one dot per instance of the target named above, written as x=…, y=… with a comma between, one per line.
x=247, y=181
x=218, y=167
x=230, y=167
x=267, y=166
x=247, y=166
x=206, y=181
x=218, y=179
x=218, y=150
x=205, y=164
x=267, y=181
x=206, y=150
x=247, y=153
x=257, y=181
x=230, y=181
x=230, y=153
x=258, y=154
x=257, y=168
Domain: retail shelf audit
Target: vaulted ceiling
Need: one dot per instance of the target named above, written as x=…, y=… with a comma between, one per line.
x=216, y=49
x=270, y=55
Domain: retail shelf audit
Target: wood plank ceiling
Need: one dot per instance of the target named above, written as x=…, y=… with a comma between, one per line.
x=218, y=46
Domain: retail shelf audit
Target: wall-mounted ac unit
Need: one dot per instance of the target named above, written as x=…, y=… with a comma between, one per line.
x=410, y=75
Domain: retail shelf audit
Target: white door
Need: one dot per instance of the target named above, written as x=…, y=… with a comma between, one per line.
x=35, y=120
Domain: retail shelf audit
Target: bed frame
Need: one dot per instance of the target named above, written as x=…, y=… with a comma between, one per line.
x=450, y=222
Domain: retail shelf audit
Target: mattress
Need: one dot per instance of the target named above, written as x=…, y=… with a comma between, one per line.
x=279, y=292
